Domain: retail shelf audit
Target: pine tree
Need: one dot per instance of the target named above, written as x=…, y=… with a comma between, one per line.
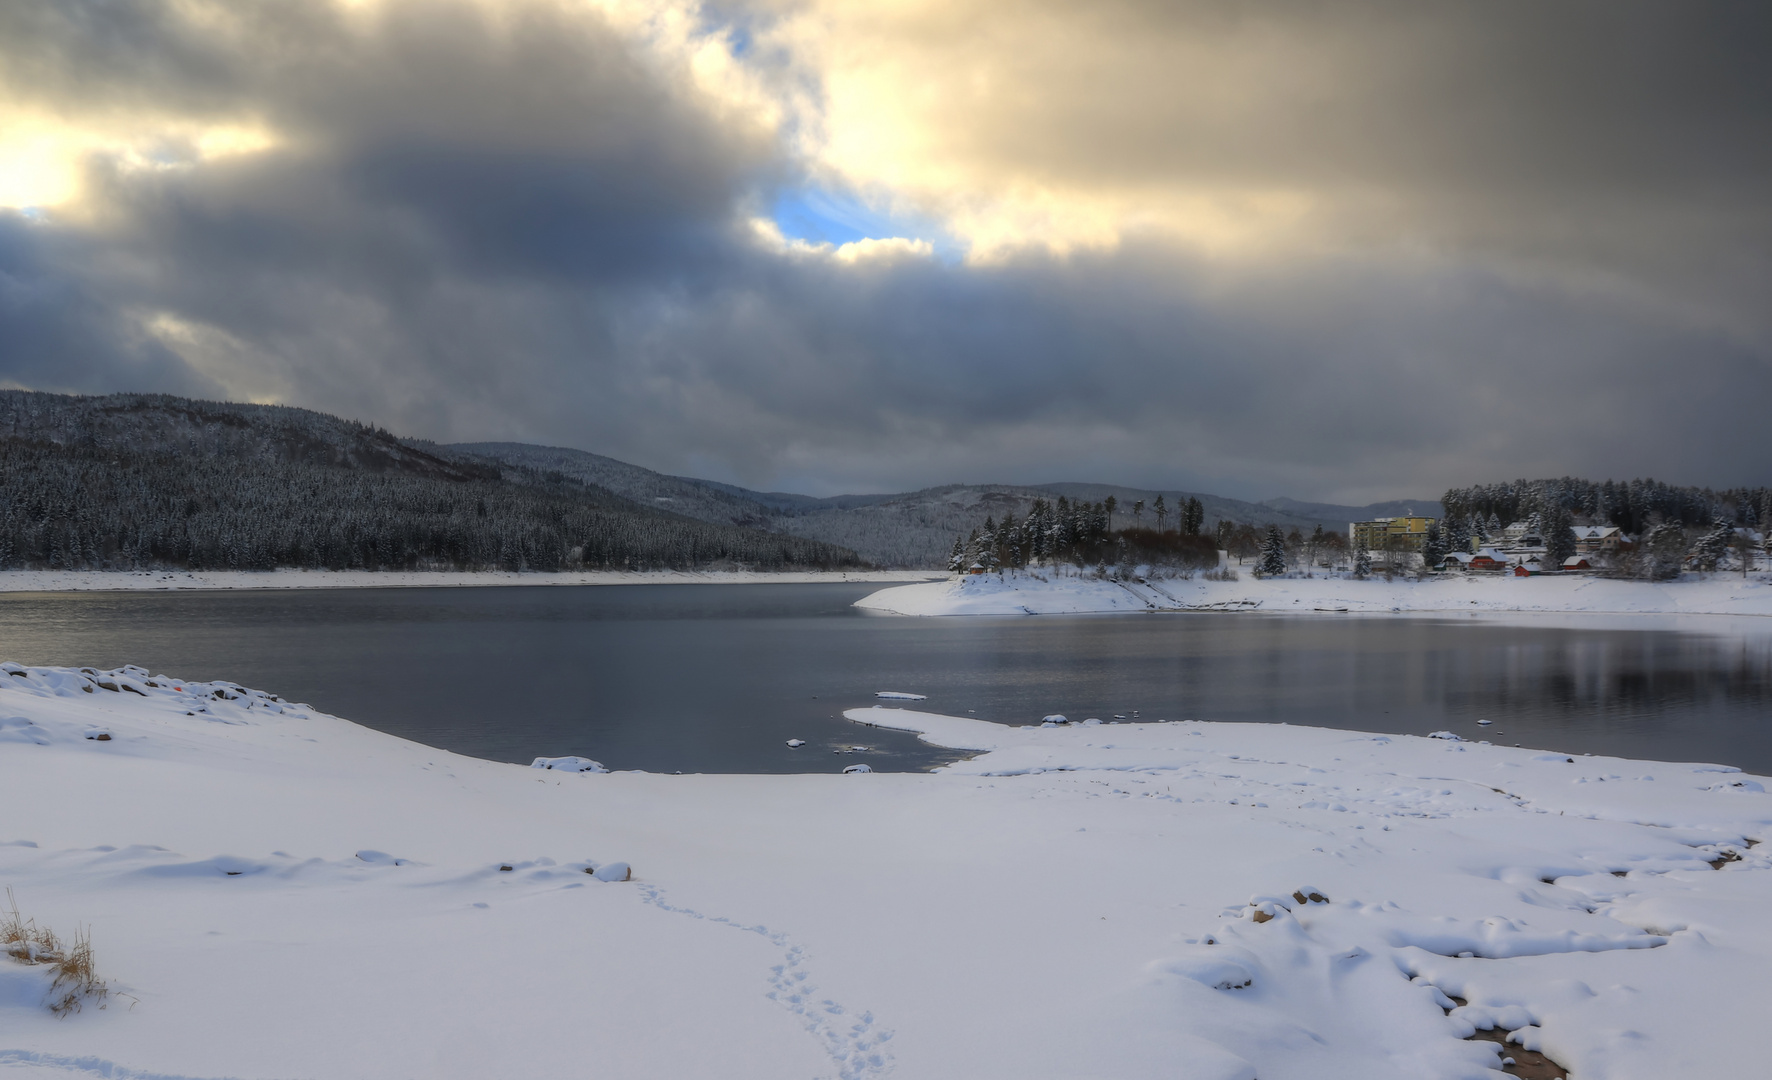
x=957, y=557
x=1362, y=563
x=1108, y=504
x=1161, y=510
x=1661, y=551
x=1714, y=544
x=987, y=545
x=1458, y=533
x=1273, y=554
x=1433, y=547
x=1194, y=516
x=1559, y=537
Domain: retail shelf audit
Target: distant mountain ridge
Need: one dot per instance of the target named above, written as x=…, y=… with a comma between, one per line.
x=911, y=529
x=1393, y=508
x=150, y=481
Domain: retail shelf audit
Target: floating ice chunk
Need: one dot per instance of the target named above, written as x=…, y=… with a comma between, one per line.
x=615, y=871
x=796, y=742
x=568, y=764
x=1445, y=735
x=1485, y=723
x=894, y=695
x=1092, y=722
x=858, y=768
x=1056, y=718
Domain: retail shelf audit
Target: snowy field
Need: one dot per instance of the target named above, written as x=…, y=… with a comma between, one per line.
x=1050, y=594
x=129, y=581
x=273, y=892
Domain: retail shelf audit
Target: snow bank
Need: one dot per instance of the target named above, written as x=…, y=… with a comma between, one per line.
x=282, y=893
x=140, y=581
x=1046, y=594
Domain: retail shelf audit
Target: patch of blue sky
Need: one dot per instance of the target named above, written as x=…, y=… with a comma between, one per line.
x=821, y=216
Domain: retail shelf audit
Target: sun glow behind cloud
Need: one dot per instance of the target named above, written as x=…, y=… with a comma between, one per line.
x=42, y=159
x=896, y=100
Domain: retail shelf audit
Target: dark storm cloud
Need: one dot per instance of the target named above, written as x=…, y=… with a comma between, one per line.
x=1544, y=251
x=56, y=334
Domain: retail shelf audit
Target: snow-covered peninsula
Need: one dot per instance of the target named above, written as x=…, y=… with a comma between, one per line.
x=275, y=892
x=1069, y=592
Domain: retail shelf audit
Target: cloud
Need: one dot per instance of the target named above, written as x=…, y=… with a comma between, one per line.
x=1366, y=250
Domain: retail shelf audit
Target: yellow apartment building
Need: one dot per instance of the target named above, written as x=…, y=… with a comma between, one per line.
x=1390, y=533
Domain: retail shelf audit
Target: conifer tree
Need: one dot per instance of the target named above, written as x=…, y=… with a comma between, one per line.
x=1433, y=547
x=1712, y=545
x=1559, y=537
x=1362, y=562
x=1458, y=533
x=1662, y=550
x=1273, y=554
x=1161, y=510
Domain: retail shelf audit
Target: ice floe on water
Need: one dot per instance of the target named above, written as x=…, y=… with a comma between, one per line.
x=569, y=764
x=897, y=695
x=1075, y=900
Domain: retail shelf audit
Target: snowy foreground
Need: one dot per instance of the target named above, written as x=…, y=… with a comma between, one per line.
x=278, y=893
x=145, y=580
x=1049, y=594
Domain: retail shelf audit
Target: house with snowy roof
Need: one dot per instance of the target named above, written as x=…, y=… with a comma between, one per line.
x=1593, y=539
x=1489, y=560
x=1530, y=565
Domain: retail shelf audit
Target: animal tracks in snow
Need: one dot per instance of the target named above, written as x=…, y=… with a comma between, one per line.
x=854, y=1041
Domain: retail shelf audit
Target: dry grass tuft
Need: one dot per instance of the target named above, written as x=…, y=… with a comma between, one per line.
x=76, y=980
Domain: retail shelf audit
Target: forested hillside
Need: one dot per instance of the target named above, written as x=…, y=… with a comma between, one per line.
x=149, y=481
x=1632, y=505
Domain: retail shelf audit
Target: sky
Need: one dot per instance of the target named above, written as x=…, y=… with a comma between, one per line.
x=1342, y=252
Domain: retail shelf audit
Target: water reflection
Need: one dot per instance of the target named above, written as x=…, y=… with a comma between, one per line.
x=717, y=678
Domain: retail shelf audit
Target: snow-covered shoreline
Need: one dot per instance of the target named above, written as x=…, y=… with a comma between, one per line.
x=173, y=580
x=1060, y=594
x=276, y=892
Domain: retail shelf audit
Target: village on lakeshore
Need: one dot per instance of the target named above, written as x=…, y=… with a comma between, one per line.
x=1724, y=534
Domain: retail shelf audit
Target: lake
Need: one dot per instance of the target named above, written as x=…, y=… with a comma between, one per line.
x=716, y=678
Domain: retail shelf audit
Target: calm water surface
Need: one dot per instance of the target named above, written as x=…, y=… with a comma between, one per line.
x=716, y=678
